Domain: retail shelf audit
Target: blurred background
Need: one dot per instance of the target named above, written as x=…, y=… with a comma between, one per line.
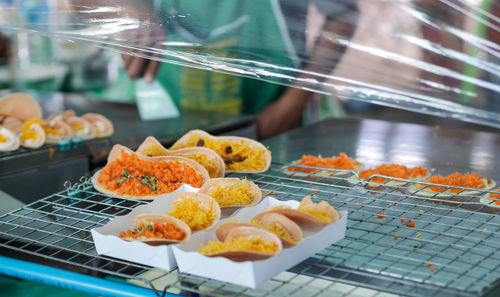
x=435, y=57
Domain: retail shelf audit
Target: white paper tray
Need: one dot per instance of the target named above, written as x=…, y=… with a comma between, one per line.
x=254, y=273
x=108, y=243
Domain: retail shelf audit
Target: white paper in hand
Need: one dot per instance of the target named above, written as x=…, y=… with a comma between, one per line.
x=153, y=101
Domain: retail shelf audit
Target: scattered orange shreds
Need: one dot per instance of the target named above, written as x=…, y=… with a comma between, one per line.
x=340, y=162
x=495, y=196
x=402, y=219
x=314, y=190
x=381, y=215
x=394, y=170
x=168, y=176
x=471, y=180
x=265, y=193
x=159, y=231
x=359, y=202
x=117, y=208
x=430, y=267
x=410, y=224
x=396, y=238
x=363, y=214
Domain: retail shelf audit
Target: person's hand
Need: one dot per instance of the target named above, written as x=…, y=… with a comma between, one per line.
x=146, y=44
x=140, y=31
x=283, y=114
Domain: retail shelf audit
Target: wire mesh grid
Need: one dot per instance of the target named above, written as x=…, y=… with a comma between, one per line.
x=450, y=251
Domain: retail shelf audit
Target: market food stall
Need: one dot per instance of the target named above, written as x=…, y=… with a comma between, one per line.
x=186, y=206
x=450, y=250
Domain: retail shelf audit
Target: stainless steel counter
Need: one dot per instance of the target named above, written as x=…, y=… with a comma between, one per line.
x=374, y=142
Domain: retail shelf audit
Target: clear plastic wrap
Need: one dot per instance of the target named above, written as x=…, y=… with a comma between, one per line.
x=435, y=57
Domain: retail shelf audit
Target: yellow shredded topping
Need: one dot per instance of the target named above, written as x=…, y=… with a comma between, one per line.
x=320, y=213
x=31, y=122
x=237, y=154
x=29, y=134
x=153, y=150
x=48, y=130
x=3, y=139
x=277, y=229
x=234, y=194
x=278, y=207
x=209, y=165
x=77, y=127
x=244, y=243
x=192, y=212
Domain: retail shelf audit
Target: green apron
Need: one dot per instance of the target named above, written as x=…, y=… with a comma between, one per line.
x=252, y=30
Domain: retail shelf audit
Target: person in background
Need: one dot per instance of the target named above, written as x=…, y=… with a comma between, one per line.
x=274, y=29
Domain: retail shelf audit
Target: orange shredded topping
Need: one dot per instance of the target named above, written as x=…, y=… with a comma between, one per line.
x=363, y=214
x=394, y=170
x=314, y=190
x=402, y=219
x=158, y=231
x=472, y=180
x=340, y=162
x=165, y=176
x=381, y=215
x=495, y=196
x=410, y=224
x=395, y=237
x=155, y=150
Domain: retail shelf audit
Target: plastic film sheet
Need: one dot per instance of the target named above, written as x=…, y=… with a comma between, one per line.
x=438, y=57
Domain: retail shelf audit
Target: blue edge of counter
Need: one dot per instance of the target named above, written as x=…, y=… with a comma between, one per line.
x=70, y=280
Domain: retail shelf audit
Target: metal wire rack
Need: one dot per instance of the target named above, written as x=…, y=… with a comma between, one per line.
x=452, y=250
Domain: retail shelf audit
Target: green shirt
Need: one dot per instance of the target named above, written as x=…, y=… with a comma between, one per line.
x=250, y=31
